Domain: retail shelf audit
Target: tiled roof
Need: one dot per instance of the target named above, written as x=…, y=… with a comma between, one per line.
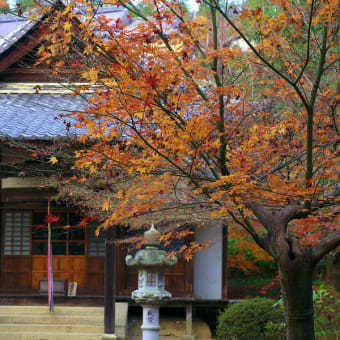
x=12, y=27
x=38, y=116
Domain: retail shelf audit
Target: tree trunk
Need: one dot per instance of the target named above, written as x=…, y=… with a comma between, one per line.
x=297, y=292
x=334, y=267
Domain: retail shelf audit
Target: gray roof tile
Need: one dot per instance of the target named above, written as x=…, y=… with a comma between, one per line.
x=38, y=116
x=19, y=27
x=12, y=27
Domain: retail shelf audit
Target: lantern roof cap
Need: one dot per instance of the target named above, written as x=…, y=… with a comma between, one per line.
x=151, y=237
x=151, y=256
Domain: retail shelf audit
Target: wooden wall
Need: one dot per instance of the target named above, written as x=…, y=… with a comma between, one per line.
x=16, y=272
x=21, y=272
x=95, y=274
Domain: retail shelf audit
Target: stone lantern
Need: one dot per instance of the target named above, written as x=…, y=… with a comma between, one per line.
x=151, y=293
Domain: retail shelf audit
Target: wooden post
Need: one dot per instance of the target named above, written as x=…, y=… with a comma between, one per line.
x=1, y=223
x=188, y=320
x=109, y=281
x=188, y=312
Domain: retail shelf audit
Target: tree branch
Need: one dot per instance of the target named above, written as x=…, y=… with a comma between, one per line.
x=308, y=43
x=292, y=212
x=261, y=240
x=325, y=246
x=257, y=53
x=265, y=217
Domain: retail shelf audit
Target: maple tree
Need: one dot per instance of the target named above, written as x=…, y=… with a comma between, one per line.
x=209, y=131
x=3, y=4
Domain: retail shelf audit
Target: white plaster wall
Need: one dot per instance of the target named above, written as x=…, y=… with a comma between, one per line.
x=208, y=263
x=23, y=182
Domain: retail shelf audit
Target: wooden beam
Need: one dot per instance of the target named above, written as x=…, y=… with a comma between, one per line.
x=110, y=281
x=27, y=43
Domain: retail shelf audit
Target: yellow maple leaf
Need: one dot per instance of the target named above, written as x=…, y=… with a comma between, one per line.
x=33, y=16
x=53, y=160
x=41, y=49
x=88, y=49
x=67, y=26
x=93, y=169
x=97, y=232
x=91, y=75
x=106, y=205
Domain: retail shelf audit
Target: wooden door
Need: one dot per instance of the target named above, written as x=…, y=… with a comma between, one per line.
x=16, y=258
x=68, y=241
x=70, y=267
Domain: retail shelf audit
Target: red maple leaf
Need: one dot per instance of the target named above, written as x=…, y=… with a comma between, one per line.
x=51, y=218
x=84, y=221
x=152, y=80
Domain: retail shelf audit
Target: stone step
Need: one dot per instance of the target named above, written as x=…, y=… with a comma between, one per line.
x=58, y=310
x=52, y=319
x=48, y=336
x=52, y=328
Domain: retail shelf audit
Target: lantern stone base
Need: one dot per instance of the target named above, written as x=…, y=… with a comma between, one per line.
x=112, y=337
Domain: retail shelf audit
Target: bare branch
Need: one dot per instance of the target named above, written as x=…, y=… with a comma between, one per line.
x=264, y=216
x=308, y=43
x=292, y=212
x=325, y=246
x=261, y=240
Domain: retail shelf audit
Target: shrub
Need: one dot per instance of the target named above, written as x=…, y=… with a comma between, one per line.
x=326, y=314
x=255, y=318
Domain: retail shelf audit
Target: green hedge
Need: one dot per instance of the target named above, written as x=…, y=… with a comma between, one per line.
x=255, y=318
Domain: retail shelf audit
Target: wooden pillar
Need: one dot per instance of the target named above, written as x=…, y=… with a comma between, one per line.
x=110, y=281
x=188, y=326
x=225, y=262
x=1, y=223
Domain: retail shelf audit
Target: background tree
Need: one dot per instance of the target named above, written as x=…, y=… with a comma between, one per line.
x=205, y=143
x=23, y=5
x=3, y=5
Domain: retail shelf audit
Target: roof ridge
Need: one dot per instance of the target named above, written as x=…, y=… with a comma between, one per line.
x=39, y=87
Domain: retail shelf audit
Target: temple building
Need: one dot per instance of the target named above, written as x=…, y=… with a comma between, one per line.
x=30, y=109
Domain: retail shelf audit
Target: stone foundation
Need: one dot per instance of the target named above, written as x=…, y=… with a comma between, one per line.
x=171, y=328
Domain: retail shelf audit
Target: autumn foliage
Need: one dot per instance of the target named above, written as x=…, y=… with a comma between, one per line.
x=3, y=4
x=161, y=113
x=190, y=126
